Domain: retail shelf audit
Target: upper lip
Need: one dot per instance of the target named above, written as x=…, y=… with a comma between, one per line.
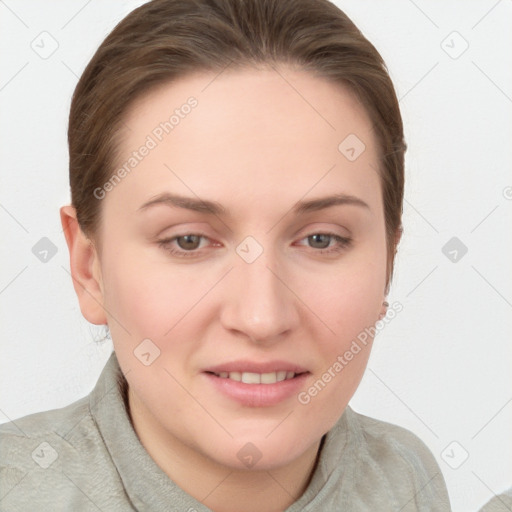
x=255, y=367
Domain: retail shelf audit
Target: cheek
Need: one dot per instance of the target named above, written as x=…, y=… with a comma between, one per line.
x=346, y=302
x=348, y=305
x=147, y=296
x=152, y=302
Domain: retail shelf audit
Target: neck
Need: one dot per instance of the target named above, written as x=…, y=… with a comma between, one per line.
x=221, y=488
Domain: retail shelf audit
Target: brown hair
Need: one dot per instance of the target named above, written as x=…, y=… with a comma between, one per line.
x=166, y=39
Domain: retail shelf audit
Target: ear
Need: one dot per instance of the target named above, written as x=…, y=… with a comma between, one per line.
x=398, y=236
x=383, y=310
x=85, y=268
x=391, y=259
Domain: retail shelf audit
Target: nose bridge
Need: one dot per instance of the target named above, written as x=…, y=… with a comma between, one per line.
x=260, y=305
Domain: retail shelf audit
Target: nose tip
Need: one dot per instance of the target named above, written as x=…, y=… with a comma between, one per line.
x=258, y=305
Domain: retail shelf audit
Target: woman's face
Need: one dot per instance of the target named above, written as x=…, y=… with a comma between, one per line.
x=247, y=241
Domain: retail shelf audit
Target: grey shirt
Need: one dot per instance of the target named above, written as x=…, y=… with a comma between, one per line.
x=87, y=457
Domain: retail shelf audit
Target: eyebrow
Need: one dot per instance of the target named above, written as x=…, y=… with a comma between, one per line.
x=215, y=208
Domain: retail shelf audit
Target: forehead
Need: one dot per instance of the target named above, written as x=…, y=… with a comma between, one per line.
x=247, y=135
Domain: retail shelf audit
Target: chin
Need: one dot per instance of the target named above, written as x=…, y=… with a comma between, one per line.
x=260, y=451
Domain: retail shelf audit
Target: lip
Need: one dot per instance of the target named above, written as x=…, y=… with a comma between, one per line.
x=255, y=367
x=257, y=395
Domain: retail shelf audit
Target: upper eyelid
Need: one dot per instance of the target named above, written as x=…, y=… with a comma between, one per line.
x=311, y=230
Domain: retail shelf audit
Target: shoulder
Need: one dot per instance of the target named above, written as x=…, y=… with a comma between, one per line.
x=499, y=503
x=395, y=445
x=395, y=460
x=56, y=429
x=46, y=459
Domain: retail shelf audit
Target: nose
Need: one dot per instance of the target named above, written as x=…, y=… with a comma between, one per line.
x=260, y=304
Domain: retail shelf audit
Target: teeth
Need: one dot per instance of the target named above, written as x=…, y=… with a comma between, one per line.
x=258, y=378
x=251, y=378
x=282, y=375
x=269, y=378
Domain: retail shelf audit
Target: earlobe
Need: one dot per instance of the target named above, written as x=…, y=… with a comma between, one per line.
x=384, y=309
x=398, y=236
x=85, y=268
x=391, y=258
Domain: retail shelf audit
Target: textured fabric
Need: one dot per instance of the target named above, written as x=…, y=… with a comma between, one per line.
x=87, y=457
x=500, y=503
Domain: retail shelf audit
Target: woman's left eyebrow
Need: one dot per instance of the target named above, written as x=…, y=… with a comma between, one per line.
x=321, y=203
x=215, y=208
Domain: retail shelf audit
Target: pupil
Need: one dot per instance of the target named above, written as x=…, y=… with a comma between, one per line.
x=319, y=241
x=188, y=241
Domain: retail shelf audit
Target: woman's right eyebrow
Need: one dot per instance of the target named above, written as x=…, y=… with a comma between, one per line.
x=189, y=203
x=214, y=208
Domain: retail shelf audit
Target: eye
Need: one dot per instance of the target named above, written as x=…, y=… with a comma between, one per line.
x=327, y=242
x=189, y=244
x=319, y=240
x=183, y=245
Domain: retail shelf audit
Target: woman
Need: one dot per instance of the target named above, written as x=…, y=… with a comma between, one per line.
x=236, y=171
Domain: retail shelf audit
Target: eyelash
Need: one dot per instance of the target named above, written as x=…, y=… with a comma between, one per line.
x=342, y=243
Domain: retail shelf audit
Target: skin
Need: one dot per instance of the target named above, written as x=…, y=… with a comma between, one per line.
x=256, y=146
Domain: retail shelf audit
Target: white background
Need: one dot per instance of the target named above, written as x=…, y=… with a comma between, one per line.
x=442, y=367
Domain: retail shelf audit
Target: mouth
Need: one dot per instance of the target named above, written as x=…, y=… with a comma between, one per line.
x=254, y=384
x=257, y=378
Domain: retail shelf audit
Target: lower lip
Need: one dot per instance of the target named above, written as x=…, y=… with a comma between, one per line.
x=258, y=395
